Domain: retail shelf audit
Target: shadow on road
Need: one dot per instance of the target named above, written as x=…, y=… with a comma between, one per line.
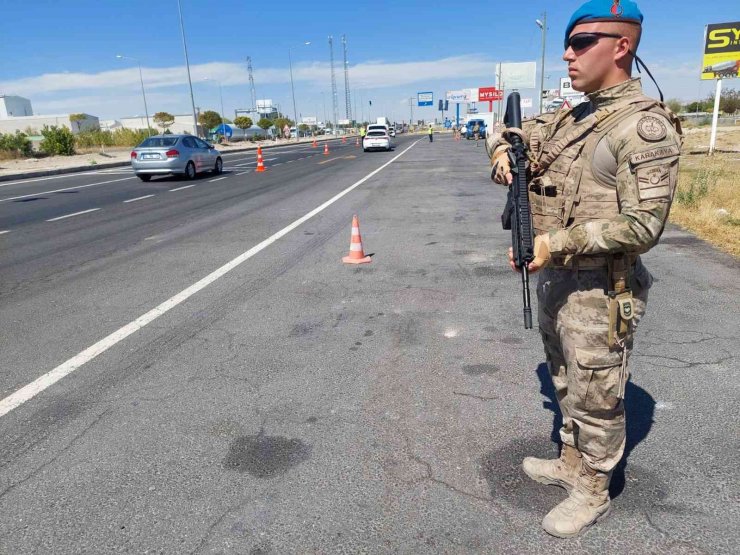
x=639, y=406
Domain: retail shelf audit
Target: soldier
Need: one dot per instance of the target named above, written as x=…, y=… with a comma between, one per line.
x=603, y=176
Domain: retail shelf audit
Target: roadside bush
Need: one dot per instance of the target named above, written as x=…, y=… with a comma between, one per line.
x=57, y=140
x=15, y=144
x=119, y=137
x=705, y=179
x=93, y=138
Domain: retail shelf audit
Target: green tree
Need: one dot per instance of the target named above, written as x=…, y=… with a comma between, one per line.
x=243, y=122
x=163, y=120
x=209, y=119
x=57, y=140
x=729, y=102
x=675, y=105
x=303, y=128
x=264, y=124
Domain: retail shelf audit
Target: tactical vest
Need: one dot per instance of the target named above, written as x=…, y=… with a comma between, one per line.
x=563, y=189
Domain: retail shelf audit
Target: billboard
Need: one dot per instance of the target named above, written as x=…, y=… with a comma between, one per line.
x=721, y=51
x=459, y=97
x=425, y=98
x=525, y=102
x=309, y=120
x=566, y=88
x=519, y=75
x=264, y=104
x=343, y=122
x=489, y=94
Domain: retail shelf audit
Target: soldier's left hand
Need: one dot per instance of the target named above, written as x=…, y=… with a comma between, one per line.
x=541, y=254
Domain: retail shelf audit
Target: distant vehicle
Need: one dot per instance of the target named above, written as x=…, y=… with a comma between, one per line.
x=469, y=134
x=175, y=155
x=376, y=139
x=392, y=132
x=377, y=127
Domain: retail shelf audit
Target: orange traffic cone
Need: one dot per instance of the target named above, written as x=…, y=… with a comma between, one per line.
x=356, y=254
x=344, y=139
x=357, y=142
x=326, y=149
x=260, y=160
x=314, y=144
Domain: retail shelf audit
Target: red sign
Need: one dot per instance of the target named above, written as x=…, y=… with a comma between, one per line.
x=489, y=94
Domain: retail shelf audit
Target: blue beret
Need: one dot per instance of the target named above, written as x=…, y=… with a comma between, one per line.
x=605, y=10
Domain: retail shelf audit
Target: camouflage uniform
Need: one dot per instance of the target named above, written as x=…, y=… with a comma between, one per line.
x=603, y=177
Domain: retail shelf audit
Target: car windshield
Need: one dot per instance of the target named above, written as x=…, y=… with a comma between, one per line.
x=376, y=134
x=158, y=142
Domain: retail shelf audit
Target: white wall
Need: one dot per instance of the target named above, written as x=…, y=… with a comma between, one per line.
x=11, y=125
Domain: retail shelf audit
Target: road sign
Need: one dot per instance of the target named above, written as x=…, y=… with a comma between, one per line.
x=722, y=51
x=425, y=99
x=525, y=102
x=309, y=120
x=489, y=94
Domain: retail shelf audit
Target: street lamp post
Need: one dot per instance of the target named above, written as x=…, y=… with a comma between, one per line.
x=187, y=65
x=542, y=25
x=143, y=94
x=292, y=87
x=221, y=97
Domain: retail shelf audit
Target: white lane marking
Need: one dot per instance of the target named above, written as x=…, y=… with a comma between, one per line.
x=138, y=198
x=32, y=389
x=181, y=188
x=67, y=189
x=72, y=215
x=4, y=232
x=217, y=179
x=242, y=173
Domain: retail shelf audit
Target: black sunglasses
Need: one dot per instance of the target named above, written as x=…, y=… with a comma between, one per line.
x=579, y=41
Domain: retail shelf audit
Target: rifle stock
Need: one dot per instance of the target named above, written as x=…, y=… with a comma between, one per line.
x=517, y=215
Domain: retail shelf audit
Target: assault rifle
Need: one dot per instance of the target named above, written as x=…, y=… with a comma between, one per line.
x=517, y=216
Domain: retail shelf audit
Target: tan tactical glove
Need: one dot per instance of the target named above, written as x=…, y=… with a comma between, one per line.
x=500, y=164
x=541, y=252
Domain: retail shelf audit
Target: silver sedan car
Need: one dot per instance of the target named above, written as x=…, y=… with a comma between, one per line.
x=175, y=155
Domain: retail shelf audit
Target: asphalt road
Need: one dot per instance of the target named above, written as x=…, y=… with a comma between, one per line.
x=287, y=403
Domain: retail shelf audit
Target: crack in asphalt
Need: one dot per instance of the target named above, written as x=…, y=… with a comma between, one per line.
x=480, y=397
x=66, y=448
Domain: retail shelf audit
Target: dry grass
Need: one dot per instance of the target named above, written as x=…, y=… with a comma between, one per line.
x=707, y=200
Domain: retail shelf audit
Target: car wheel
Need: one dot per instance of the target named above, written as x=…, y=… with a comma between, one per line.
x=190, y=171
x=364, y=150
x=144, y=177
x=219, y=167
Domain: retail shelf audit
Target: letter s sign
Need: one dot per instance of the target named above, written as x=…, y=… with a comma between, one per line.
x=719, y=38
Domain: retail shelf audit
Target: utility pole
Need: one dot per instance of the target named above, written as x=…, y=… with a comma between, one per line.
x=542, y=25
x=252, y=90
x=347, y=98
x=334, y=98
x=411, y=109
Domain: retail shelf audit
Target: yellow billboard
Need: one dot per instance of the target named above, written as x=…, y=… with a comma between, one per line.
x=721, y=51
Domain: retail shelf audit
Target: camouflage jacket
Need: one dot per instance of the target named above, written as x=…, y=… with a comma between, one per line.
x=603, y=174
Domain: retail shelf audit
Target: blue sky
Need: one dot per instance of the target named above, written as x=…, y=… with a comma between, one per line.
x=61, y=54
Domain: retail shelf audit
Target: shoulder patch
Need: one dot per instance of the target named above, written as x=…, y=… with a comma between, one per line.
x=651, y=128
x=654, y=154
x=654, y=182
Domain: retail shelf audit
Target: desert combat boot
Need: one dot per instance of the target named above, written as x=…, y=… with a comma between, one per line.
x=587, y=504
x=555, y=472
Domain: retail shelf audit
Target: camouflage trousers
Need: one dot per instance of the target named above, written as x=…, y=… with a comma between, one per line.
x=574, y=321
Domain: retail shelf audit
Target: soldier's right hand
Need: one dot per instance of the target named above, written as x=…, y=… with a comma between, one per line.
x=501, y=165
